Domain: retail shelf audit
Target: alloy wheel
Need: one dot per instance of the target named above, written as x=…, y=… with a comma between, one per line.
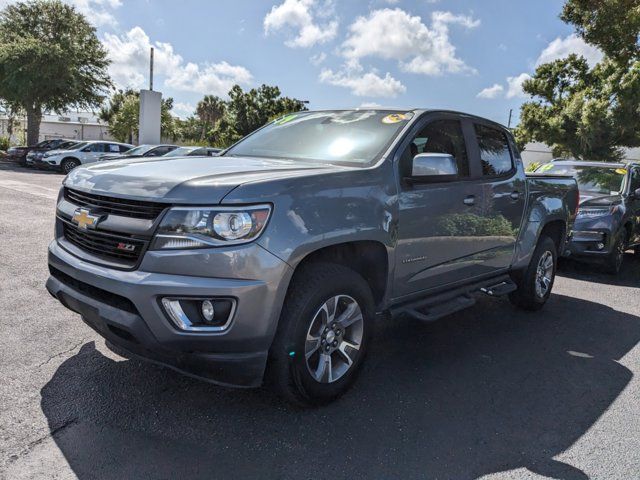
x=544, y=274
x=334, y=339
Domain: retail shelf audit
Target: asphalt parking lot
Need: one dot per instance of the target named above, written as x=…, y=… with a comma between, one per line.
x=491, y=392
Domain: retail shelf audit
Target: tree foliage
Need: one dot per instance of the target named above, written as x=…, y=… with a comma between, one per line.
x=50, y=59
x=123, y=116
x=589, y=112
x=226, y=122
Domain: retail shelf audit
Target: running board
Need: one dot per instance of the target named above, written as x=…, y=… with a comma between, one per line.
x=437, y=306
x=500, y=289
x=431, y=313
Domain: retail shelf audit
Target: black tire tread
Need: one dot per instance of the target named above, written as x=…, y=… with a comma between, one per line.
x=280, y=375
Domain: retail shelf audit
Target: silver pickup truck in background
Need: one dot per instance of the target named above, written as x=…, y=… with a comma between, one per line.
x=271, y=262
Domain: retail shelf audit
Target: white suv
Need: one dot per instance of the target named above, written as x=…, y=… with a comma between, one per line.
x=83, y=152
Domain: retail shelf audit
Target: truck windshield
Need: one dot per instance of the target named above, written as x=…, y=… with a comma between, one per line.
x=351, y=137
x=600, y=180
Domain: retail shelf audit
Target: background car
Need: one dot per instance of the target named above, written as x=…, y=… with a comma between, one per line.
x=37, y=153
x=81, y=153
x=194, y=152
x=142, y=151
x=19, y=154
x=608, y=221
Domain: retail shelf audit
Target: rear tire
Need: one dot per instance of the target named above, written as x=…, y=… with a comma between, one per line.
x=536, y=283
x=69, y=164
x=322, y=336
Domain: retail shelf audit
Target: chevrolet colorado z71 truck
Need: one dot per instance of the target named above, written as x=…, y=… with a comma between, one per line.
x=270, y=262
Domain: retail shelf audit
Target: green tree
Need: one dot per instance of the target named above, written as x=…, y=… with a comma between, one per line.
x=123, y=115
x=248, y=111
x=50, y=59
x=209, y=110
x=589, y=113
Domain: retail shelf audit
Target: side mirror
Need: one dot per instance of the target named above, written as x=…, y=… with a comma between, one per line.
x=433, y=167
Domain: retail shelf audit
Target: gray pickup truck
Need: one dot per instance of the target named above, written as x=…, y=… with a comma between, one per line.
x=269, y=263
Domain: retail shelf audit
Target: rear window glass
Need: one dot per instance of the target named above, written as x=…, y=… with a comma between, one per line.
x=494, y=151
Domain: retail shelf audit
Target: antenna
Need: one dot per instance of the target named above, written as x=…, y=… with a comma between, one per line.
x=151, y=71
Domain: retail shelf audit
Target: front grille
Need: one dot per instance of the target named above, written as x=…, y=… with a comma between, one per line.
x=116, y=206
x=123, y=249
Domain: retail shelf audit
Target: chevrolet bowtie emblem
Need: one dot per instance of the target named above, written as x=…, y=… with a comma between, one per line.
x=85, y=219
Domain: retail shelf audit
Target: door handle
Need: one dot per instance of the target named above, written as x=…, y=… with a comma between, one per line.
x=515, y=195
x=470, y=200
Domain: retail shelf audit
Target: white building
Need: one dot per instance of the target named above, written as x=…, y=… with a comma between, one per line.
x=72, y=125
x=540, y=153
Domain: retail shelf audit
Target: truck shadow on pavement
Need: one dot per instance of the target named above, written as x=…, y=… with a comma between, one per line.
x=488, y=390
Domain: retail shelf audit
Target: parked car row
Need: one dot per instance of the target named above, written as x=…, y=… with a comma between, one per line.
x=65, y=155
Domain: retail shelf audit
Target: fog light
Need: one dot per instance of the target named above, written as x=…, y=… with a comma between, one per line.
x=208, y=311
x=599, y=245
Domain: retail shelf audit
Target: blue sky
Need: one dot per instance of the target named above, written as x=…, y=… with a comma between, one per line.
x=338, y=53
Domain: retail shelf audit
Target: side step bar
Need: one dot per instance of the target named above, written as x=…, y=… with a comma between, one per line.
x=433, y=308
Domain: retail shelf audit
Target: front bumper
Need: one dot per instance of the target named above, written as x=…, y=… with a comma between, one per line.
x=592, y=238
x=125, y=308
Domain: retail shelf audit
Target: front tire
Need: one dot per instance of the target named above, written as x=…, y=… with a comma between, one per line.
x=323, y=334
x=69, y=164
x=614, y=260
x=536, y=283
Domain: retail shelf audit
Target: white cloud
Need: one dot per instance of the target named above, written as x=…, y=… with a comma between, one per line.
x=318, y=58
x=300, y=15
x=129, y=54
x=182, y=110
x=216, y=78
x=370, y=105
x=563, y=47
x=491, y=92
x=396, y=35
x=368, y=84
x=514, y=86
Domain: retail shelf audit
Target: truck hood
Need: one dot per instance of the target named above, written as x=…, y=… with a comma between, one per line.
x=188, y=180
x=591, y=199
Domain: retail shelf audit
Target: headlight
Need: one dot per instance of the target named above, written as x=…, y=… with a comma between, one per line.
x=592, y=212
x=199, y=227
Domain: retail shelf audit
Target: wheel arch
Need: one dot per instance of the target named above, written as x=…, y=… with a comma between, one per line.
x=368, y=258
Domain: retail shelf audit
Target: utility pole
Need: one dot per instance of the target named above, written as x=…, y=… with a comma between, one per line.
x=510, y=113
x=151, y=71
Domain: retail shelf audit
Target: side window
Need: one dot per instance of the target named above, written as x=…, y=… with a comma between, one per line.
x=95, y=148
x=123, y=148
x=494, y=151
x=158, y=152
x=439, y=136
x=113, y=148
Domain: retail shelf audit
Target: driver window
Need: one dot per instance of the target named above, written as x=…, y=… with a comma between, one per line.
x=439, y=136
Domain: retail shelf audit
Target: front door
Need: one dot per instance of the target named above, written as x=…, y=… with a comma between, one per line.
x=436, y=220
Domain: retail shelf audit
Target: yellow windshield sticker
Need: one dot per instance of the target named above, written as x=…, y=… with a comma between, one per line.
x=397, y=117
x=285, y=119
x=621, y=171
x=545, y=167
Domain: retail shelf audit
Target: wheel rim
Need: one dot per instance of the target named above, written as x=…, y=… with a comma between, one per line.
x=544, y=274
x=68, y=166
x=334, y=339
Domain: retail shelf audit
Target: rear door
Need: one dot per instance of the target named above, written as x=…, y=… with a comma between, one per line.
x=503, y=194
x=435, y=244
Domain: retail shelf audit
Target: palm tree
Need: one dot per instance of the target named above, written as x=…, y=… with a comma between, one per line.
x=209, y=110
